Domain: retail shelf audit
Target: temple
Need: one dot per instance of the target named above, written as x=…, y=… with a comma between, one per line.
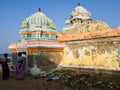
x=38, y=36
x=83, y=42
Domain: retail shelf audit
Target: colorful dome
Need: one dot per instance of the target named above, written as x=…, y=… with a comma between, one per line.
x=37, y=34
x=38, y=20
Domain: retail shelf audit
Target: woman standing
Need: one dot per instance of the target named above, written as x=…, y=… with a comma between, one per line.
x=19, y=71
x=5, y=67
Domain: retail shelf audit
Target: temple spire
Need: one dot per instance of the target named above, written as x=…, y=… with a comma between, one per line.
x=39, y=10
x=78, y=4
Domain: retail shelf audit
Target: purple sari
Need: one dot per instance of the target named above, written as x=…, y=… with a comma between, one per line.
x=19, y=72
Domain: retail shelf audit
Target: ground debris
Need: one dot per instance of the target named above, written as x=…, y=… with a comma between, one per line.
x=84, y=81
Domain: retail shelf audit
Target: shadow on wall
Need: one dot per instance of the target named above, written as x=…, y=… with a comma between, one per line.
x=46, y=60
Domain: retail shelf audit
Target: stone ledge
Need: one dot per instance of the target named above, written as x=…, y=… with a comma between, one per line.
x=94, y=69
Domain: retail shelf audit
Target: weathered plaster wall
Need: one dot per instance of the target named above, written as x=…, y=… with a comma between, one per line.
x=101, y=52
x=45, y=58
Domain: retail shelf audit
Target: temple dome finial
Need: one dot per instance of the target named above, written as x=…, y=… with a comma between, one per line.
x=39, y=10
x=78, y=4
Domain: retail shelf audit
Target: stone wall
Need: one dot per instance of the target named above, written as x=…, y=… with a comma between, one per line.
x=101, y=52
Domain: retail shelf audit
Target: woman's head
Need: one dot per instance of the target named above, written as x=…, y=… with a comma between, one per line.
x=19, y=54
x=5, y=55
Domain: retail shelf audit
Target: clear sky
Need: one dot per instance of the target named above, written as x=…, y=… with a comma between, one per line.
x=12, y=12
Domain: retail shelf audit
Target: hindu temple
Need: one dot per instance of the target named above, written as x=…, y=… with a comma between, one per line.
x=83, y=42
x=38, y=40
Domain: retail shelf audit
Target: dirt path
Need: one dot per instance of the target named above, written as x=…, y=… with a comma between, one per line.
x=30, y=83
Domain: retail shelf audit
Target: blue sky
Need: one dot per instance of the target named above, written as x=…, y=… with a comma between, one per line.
x=12, y=12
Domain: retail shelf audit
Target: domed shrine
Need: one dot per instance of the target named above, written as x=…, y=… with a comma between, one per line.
x=38, y=37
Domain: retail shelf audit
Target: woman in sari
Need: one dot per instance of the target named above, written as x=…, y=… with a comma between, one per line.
x=5, y=67
x=19, y=71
